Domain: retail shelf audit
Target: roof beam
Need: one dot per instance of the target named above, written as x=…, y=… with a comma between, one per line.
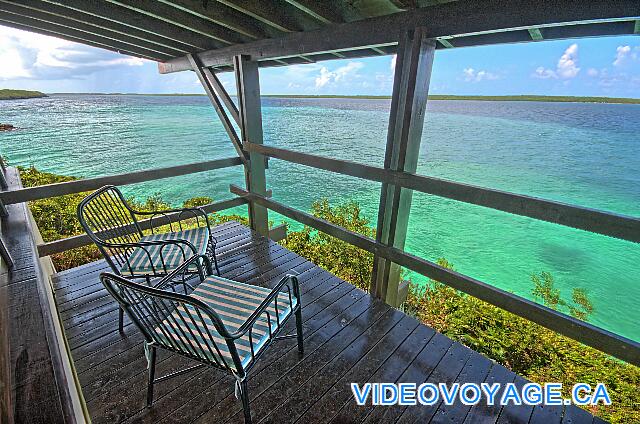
x=123, y=16
x=600, y=29
x=100, y=23
x=69, y=37
x=61, y=24
x=173, y=16
x=450, y=19
x=320, y=10
x=404, y=4
x=276, y=13
x=445, y=43
x=221, y=15
x=329, y=12
x=374, y=8
x=535, y=34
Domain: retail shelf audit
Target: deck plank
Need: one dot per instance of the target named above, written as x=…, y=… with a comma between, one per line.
x=475, y=371
x=418, y=372
x=516, y=413
x=319, y=371
x=483, y=413
x=390, y=371
x=327, y=404
x=446, y=372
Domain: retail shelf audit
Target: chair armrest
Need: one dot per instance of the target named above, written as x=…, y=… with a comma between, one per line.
x=288, y=280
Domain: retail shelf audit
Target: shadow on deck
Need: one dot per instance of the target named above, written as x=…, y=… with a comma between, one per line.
x=349, y=337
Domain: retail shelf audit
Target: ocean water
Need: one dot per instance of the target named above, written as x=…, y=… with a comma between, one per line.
x=584, y=154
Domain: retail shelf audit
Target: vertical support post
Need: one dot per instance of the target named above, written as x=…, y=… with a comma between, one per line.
x=408, y=106
x=5, y=255
x=3, y=186
x=3, y=180
x=248, y=83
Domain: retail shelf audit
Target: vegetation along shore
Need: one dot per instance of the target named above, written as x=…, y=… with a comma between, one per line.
x=6, y=94
x=524, y=347
x=515, y=98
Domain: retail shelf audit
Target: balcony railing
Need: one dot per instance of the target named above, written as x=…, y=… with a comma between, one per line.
x=600, y=222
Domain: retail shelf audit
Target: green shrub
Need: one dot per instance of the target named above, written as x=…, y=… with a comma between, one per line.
x=336, y=256
x=56, y=217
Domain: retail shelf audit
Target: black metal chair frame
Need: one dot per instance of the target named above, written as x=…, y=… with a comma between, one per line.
x=152, y=311
x=112, y=224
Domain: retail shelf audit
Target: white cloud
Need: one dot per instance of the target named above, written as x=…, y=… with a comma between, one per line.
x=342, y=74
x=544, y=73
x=625, y=54
x=392, y=65
x=471, y=75
x=26, y=55
x=592, y=72
x=566, y=68
x=622, y=53
x=324, y=77
x=568, y=62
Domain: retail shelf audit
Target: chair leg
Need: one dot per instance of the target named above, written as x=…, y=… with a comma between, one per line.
x=299, y=330
x=120, y=319
x=244, y=394
x=151, y=359
x=215, y=261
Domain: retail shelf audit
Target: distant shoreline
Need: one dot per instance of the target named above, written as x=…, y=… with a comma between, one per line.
x=518, y=98
x=6, y=94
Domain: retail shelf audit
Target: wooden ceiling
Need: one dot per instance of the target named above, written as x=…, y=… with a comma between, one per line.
x=283, y=32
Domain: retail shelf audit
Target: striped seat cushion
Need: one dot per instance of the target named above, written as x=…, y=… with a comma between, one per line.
x=234, y=302
x=149, y=260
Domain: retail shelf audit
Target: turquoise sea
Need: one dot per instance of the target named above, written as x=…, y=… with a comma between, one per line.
x=585, y=154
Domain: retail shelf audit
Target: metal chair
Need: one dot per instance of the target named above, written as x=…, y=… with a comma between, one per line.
x=218, y=322
x=112, y=224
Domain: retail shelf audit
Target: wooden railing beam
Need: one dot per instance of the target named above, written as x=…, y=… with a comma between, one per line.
x=79, y=186
x=598, y=338
x=74, y=242
x=601, y=222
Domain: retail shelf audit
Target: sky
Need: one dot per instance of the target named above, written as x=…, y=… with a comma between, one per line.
x=606, y=66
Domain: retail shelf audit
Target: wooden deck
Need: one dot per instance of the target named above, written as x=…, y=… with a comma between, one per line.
x=349, y=337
